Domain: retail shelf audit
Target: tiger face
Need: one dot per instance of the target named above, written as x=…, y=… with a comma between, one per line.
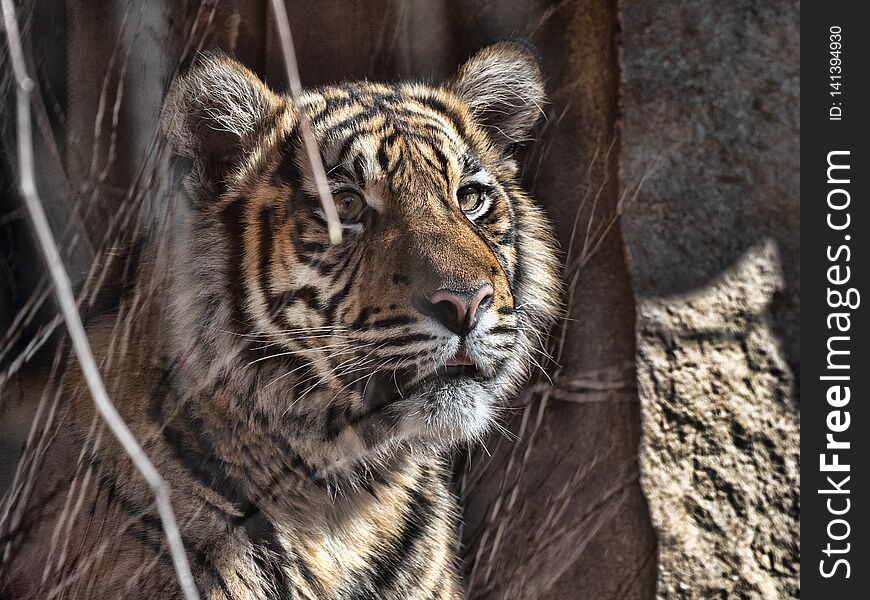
x=422, y=321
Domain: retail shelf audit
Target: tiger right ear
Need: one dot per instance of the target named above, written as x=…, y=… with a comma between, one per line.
x=214, y=113
x=504, y=88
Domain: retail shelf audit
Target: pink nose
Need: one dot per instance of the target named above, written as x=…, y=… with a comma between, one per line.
x=459, y=311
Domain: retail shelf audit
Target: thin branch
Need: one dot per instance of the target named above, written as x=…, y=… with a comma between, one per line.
x=311, y=148
x=66, y=300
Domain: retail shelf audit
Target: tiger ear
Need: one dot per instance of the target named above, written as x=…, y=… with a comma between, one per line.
x=214, y=112
x=504, y=88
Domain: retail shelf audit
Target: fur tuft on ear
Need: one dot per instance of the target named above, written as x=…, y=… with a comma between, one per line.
x=504, y=88
x=213, y=113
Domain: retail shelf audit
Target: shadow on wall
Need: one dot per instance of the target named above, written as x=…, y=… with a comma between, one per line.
x=711, y=96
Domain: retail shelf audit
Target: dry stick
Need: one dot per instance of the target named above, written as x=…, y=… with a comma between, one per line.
x=65, y=297
x=295, y=82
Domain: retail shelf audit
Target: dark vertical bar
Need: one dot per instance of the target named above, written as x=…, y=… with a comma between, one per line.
x=834, y=156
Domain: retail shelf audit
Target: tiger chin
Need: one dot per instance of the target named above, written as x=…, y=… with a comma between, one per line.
x=301, y=397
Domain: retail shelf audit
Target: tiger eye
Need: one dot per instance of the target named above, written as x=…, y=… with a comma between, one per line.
x=350, y=206
x=470, y=198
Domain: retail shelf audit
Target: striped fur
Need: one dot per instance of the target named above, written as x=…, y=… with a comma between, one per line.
x=293, y=394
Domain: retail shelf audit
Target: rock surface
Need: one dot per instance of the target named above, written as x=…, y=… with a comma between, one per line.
x=719, y=459
x=710, y=105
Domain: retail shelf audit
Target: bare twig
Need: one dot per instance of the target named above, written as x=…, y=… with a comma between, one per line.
x=66, y=300
x=295, y=82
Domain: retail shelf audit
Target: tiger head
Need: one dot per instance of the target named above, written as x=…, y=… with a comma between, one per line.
x=426, y=316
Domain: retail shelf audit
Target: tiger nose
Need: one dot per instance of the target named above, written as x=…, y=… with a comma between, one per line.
x=458, y=311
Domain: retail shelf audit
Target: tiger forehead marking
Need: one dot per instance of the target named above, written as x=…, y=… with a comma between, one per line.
x=408, y=160
x=392, y=138
x=300, y=398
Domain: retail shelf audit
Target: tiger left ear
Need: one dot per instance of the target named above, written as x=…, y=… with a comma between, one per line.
x=504, y=87
x=214, y=114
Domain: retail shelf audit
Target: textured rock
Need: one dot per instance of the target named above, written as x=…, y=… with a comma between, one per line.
x=719, y=458
x=710, y=105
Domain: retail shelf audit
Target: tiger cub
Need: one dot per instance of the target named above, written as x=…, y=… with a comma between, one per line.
x=300, y=398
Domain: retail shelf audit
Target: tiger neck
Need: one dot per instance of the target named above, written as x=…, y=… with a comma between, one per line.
x=254, y=462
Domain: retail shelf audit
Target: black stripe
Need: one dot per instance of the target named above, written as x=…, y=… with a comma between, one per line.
x=359, y=172
x=203, y=559
x=442, y=160
x=364, y=315
x=308, y=295
x=391, y=175
x=436, y=170
x=338, y=256
x=408, y=118
x=395, y=130
x=277, y=305
x=195, y=453
x=267, y=235
x=471, y=163
x=341, y=172
x=287, y=172
x=336, y=299
x=269, y=557
x=440, y=107
x=311, y=258
x=334, y=416
x=296, y=461
x=408, y=113
x=355, y=121
x=384, y=323
x=145, y=527
x=305, y=572
x=355, y=95
x=518, y=277
x=308, y=253
x=347, y=147
x=327, y=267
x=404, y=340
x=392, y=560
x=332, y=104
x=507, y=237
x=485, y=219
x=435, y=593
x=383, y=158
x=231, y=217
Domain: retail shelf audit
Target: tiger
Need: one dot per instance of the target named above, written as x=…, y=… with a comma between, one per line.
x=302, y=399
